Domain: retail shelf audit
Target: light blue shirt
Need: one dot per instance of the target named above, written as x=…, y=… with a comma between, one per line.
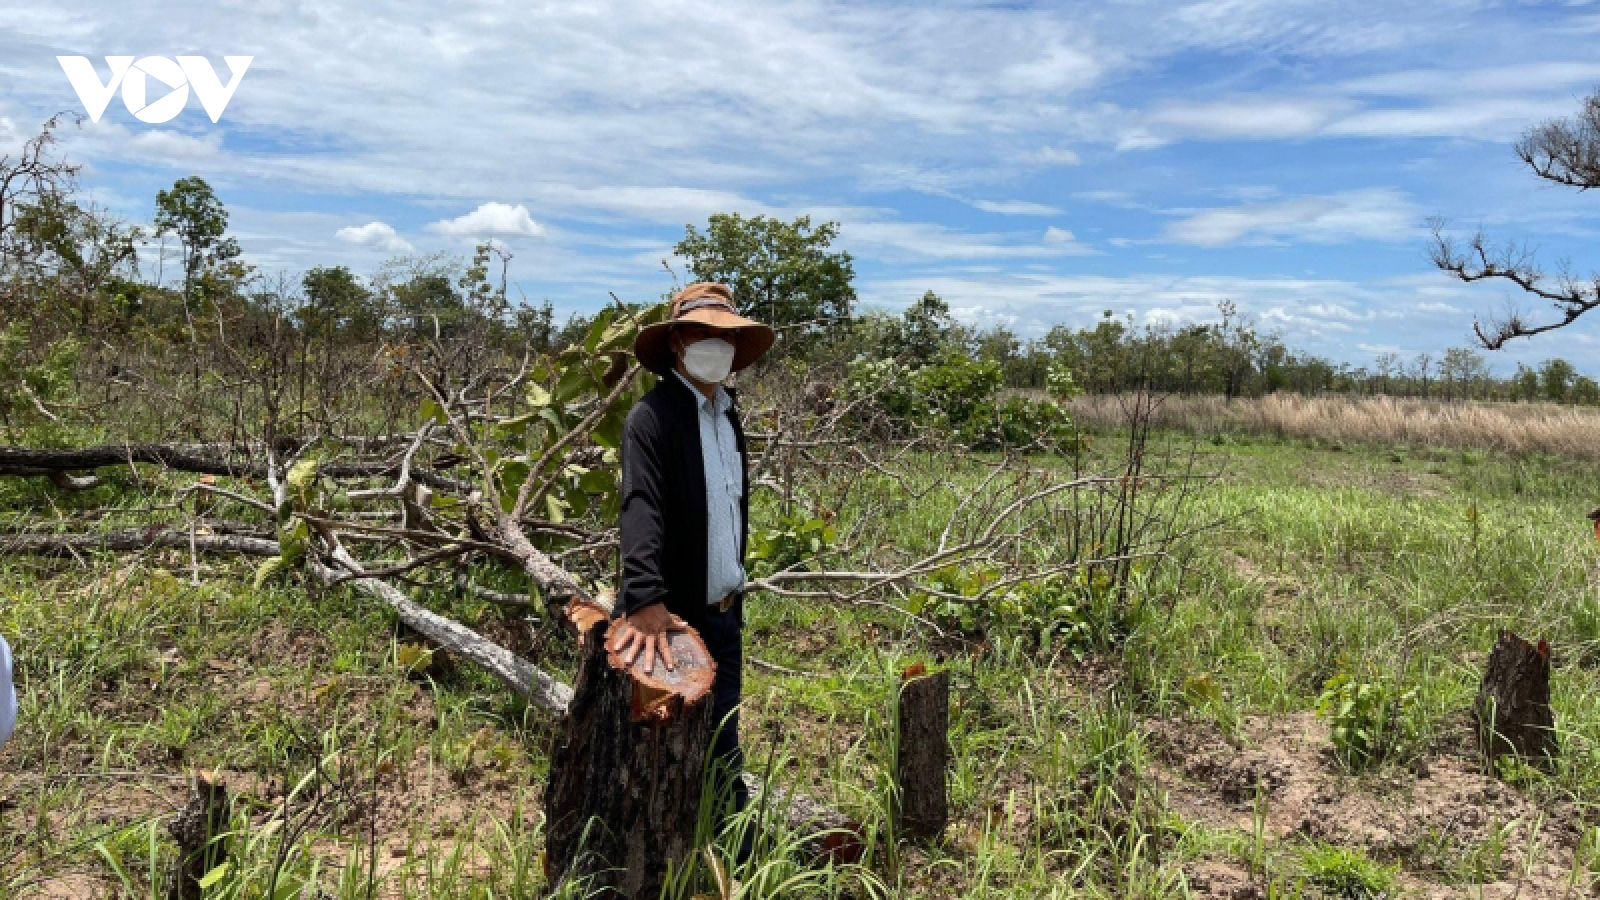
x=8, y=696
x=719, y=451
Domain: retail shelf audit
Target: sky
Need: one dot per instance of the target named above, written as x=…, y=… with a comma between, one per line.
x=1033, y=163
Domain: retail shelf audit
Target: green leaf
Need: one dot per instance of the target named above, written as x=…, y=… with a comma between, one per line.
x=538, y=396
x=214, y=876
x=598, y=481
x=574, y=381
x=597, y=329
x=577, y=501
x=268, y=570
x=432, y=410
x=292, y=541
x=301, y=473
x=558, y=513
x=608, y=432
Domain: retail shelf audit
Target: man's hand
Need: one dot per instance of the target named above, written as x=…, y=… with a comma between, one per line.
x=645, y=630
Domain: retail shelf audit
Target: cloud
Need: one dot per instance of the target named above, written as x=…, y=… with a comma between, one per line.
x=1542, y=77
x=929, y=241
x=376, y=235
x=1256, y=118
x=491, y=219
x=1334, y=218
x=1052, y=156
x=1016, y=208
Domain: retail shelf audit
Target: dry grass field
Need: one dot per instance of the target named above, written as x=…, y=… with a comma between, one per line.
x=1516, y=428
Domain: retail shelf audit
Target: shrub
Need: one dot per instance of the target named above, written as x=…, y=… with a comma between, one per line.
x=1368, y=721
x=1054, y=612
x=1347, y=872
x=793, y=538
x=956, y=386
x=1017, y=422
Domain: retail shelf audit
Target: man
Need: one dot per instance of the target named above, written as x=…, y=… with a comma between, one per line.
x=685, y=501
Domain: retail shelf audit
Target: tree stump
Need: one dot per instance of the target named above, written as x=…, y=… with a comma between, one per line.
x=626, y=769
x=203, y=817
x=923, y=753
x=1513, y=705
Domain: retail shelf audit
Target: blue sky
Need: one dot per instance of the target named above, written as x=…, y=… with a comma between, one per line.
x=1033, y=163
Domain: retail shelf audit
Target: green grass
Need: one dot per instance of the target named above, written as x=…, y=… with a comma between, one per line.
x=1395, y=569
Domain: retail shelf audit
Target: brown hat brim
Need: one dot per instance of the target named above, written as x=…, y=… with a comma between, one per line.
x=751, y=339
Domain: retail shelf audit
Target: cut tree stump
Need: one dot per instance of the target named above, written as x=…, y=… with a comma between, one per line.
x=626, y=768
x=923, y=805
x=1513, y=706
x=205, y=816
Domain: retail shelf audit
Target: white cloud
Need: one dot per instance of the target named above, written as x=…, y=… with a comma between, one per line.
x=1333, y=218
x=376, y=235
x=1016, y=208
x=1053, y=156
x=928, y=241
x=1256, y=118
x=491, y=219
x=1541, y=77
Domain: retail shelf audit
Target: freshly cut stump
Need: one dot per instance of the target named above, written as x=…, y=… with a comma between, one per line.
x=204, y=817
x=626, y=768
x=924, y=752
x=1513, y=706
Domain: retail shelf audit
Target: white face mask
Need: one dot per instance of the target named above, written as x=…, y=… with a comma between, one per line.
x=709, y=360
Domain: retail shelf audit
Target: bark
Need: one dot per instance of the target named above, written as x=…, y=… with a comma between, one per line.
x=203, y=818
x=127, y=539
x=1513, y=705
x=202, y=459
x=923, y=754
x=515, y=672
x=627, y=768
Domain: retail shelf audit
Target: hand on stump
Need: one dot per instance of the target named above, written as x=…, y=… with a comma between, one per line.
x=645, y=630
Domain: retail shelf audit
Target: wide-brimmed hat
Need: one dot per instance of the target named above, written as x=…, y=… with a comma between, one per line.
x=707, y=303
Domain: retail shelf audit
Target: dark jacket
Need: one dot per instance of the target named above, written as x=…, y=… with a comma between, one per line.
x=663, y=521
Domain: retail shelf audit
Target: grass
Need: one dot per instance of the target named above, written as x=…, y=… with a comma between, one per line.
x=1098, y=773
x=1549, y=428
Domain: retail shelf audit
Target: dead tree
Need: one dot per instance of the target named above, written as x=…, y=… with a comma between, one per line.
x=1562, y=151
x=1513, y=704
x=923, y=754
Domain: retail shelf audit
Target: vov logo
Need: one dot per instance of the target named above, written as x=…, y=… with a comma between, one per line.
x=134, y=78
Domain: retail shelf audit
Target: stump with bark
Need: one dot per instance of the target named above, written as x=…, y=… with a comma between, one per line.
x=203, y=818
x=626, y=769
x=923, y=753
x=1513, y=705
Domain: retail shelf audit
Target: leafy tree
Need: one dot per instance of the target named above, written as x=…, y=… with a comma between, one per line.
x=924, y=329
x=782, y=273
x=1555, y=377
x=192, y=212
x=337, y=301
x=77, y=255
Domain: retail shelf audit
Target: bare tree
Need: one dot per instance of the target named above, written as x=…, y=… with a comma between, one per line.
x=1563, y=151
